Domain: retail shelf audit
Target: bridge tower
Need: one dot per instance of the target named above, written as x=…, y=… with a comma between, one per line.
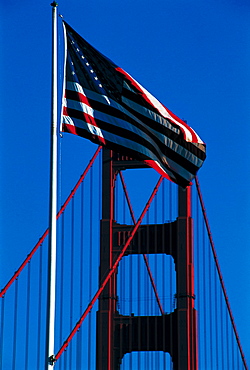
x=175, y=333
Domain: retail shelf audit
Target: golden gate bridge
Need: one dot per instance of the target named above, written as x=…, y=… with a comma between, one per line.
x=132, y=291
x=135, y=289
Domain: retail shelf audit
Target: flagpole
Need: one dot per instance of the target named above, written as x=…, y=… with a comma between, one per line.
x=50, y=328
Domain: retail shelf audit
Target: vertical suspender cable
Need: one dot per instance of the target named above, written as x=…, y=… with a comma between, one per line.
x=27, y=319
x=210, y=305
x=163, y=259
x=221, y=333
x=124, y=208
x=39, y=309
x=238, y=360
x=72, y=253
x=100, y=186
x=90, y=265
x=148, y=298
x=216, y=321
x=227, y=342
x=233, y=348
x=170, y=269
x=138, y=302
x=215, y=313
x=15, y=327
x=116, y=191
x=81, y=259
x=122, y=285
x=155, y=268
x=163, y=269
x=2, y=328
x=130, y=307
x=204, y=295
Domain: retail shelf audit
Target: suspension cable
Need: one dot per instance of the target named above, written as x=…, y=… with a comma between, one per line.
x=41, y=240
x=219, y=271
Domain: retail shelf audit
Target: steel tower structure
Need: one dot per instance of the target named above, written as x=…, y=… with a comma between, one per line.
x=175, y=333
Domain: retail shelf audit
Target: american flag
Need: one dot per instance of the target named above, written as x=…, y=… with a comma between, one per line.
x=104, y=104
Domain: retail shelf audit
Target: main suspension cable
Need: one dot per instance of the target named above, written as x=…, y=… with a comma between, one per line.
x=45, y=234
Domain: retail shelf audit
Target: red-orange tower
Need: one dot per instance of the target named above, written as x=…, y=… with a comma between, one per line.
x=175, y=333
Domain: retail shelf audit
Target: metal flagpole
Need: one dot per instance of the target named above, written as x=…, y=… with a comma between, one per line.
x=53, y=202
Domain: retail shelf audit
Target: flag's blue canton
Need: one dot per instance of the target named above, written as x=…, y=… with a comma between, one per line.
x=86, y=65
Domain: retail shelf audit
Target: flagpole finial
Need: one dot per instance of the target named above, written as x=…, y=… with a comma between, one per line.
x=54, y=4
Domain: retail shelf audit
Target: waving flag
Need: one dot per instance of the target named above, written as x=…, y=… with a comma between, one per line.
x=104, y=104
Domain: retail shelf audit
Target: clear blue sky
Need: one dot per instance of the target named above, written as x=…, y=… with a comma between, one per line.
x=193, y=55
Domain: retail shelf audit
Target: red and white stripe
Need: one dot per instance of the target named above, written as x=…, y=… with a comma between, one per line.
x=189, y=134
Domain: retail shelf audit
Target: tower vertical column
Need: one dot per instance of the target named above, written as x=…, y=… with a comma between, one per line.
x=107, y=301
x=186, y=315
